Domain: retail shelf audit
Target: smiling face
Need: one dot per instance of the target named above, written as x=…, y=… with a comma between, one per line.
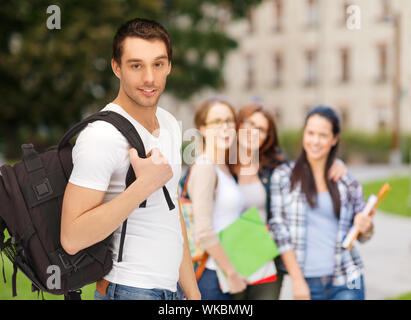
x=253, y=131
x=143, y=70
x=318, y=138
x=219, y=126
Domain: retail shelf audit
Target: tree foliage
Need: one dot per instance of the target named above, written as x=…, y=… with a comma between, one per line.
x=49, y=78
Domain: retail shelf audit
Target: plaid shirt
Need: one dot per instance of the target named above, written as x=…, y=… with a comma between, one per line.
x=288, y=222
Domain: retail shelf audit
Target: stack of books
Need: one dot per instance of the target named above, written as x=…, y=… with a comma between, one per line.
x=251, y=249
x=372, y=204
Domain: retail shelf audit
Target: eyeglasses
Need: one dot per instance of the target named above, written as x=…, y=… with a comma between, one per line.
x=219, y=122
x=249, y=125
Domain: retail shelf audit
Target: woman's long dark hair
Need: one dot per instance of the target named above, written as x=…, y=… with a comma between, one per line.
x=302, y=172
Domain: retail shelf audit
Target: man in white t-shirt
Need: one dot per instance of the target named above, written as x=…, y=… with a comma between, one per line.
x=155, y=253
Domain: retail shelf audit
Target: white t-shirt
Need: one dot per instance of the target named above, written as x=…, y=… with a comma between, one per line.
x=153, y=245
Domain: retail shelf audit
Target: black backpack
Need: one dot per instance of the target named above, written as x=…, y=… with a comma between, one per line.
x=31, y=197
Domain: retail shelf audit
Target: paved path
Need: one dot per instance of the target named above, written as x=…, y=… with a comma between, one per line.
x=377, y=172
x=387, y=256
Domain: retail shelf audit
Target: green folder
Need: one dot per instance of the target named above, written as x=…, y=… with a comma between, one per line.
x=247, y=243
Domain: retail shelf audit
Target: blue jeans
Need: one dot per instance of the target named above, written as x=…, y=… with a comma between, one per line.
x=323, y=289
x=210, y=288
x=121, y=292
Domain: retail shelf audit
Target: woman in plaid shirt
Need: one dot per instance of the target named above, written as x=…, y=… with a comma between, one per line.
x=312, y=214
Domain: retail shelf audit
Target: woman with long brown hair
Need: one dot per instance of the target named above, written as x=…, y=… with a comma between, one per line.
x=311, y=215
x=259, y=154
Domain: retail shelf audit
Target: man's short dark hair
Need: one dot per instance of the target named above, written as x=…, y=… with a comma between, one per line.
x=140, y=28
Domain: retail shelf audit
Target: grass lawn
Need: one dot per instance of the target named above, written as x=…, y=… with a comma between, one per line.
x=397, y=200
x=24, y=286
x=406, y=296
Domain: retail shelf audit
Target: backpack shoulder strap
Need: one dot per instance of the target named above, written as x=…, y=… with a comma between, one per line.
x=114, y=118
x=130, y=133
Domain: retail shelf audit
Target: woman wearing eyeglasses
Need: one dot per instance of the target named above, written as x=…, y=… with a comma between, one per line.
x=216, y=198
x=258, y=156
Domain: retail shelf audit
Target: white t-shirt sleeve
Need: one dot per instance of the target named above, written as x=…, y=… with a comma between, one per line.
x=99, y=151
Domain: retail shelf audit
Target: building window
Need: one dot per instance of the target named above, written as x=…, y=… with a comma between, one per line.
x=382, y=52
x=278, y=114
x=250, y=72
x=383, y=117
x=345, y=15
x=278, y=15
x=278, y=70
x=385, y=12
x=311, y=69
x=250, y=20
x=344, y=115
x=345, y=65
x=312, y=14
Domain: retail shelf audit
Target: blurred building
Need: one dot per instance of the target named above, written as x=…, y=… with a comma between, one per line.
x=294, y=54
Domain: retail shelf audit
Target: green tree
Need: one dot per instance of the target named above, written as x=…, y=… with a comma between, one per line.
x=49, y=78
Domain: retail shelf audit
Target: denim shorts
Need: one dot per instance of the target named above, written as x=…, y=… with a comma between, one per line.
x=210, y=288
x=322, y=289
x=121, y=292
